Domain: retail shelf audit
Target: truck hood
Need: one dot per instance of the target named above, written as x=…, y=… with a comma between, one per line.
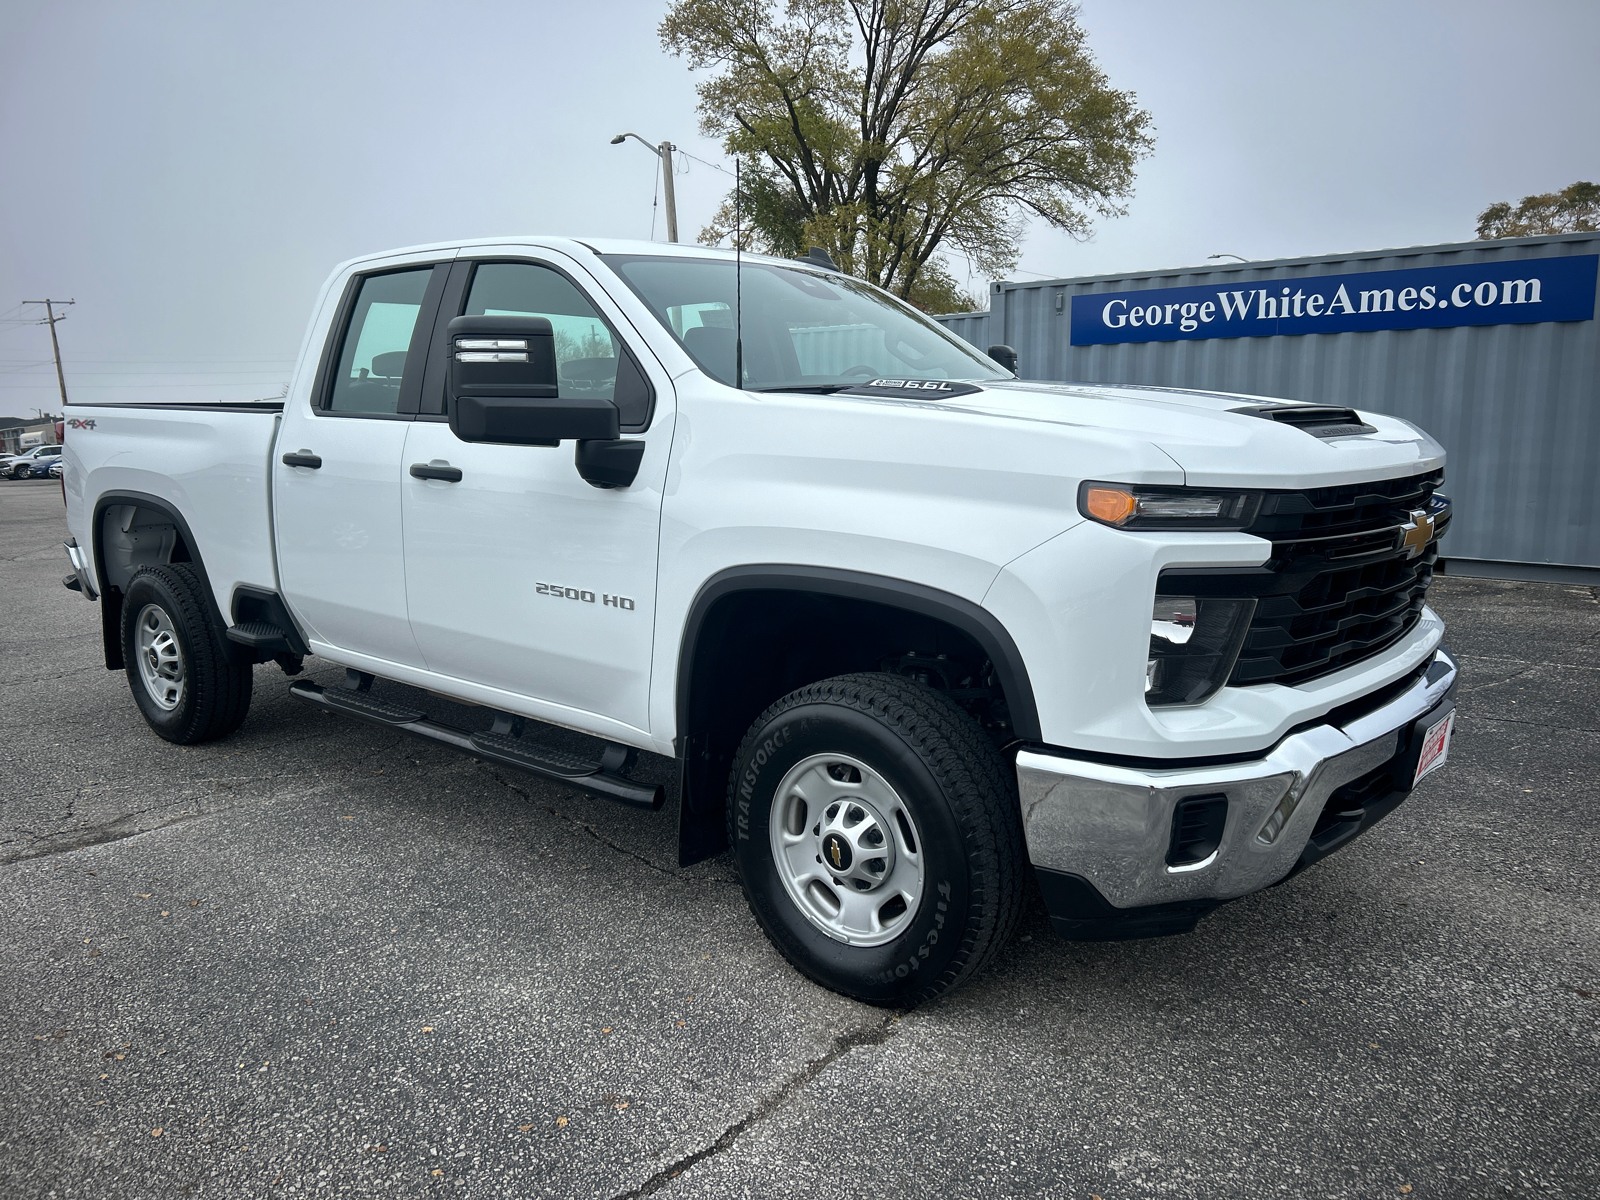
x=1220, y=439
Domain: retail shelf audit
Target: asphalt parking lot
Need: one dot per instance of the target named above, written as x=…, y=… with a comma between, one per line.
x=321, y=958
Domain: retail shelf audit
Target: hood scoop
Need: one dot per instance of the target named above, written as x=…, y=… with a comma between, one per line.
x=1319, y=420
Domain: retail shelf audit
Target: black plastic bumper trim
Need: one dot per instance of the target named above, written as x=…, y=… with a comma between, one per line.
x=1080, y=913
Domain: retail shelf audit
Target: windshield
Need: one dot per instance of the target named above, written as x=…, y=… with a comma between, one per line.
x=801, y=330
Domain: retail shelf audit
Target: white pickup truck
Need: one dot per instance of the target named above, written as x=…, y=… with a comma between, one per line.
x=907, y=623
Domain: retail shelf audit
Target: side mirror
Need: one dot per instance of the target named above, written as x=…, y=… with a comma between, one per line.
x=1005, y=356
x=502, y=386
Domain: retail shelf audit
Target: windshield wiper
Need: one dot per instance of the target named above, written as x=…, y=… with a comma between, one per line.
x=821, y=389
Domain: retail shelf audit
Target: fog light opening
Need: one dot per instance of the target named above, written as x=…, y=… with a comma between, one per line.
x=1279, y=818
x=1197, y=827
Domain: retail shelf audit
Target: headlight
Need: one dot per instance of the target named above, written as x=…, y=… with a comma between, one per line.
x=1194, y=641
x=1135, y=506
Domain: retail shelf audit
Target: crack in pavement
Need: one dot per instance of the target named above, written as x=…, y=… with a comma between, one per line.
x=1528, y=662
x=842, y=1045
x=1501, y=682
x=100, y=835
x=1535, y=724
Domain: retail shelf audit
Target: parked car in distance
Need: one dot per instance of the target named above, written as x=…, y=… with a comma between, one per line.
x=57, y=469
x=17, y=466
x=42, y=467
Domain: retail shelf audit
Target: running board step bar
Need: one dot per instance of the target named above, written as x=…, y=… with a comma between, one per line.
x=601, y=778
x=259, y=635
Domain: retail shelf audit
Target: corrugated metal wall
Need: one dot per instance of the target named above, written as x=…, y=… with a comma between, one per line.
x=973, y=326
x=834, y=349
x=1516, y=406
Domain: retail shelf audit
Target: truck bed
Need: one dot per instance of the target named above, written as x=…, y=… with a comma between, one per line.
x=208, y=463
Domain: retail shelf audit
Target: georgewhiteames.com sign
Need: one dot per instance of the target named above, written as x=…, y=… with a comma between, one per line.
x=1503, y=292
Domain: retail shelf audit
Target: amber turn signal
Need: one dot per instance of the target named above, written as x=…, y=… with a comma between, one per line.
x=1108, y=504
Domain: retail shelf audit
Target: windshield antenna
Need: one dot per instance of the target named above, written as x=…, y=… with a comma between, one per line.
x=738, y=282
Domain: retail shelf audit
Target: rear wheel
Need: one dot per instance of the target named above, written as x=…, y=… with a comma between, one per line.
x=877, y=837
x=183, y=679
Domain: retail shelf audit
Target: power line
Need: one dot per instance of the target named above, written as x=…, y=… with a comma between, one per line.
x=704, y=163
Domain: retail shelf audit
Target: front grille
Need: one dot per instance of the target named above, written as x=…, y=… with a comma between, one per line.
x=1340, y=586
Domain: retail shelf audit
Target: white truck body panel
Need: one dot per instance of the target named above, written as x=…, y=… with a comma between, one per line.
x=974, y=496
x=210, y=466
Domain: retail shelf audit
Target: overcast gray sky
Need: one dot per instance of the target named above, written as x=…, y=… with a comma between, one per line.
x=190, y=173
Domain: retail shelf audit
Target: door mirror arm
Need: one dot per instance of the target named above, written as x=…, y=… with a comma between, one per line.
x=609, y=462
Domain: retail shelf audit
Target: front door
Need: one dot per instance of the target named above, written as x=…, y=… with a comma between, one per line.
x=521, y=575
x=337, y=500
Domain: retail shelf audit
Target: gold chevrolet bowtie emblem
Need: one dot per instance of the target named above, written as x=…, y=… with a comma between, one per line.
x=1417, y=534
x=833, y=852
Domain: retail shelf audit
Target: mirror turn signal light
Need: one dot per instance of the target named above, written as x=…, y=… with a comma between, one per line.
x=491, y=350
x=480, y=356
x=491, y=343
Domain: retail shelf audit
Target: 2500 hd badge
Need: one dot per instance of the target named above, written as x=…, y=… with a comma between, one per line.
x=557, y=592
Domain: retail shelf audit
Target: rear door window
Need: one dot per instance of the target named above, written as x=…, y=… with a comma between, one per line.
x=377, y=341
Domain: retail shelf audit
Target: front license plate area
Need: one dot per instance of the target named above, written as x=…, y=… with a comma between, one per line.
x=1435, y=746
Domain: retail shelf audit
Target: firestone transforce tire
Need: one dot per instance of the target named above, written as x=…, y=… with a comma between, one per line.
x=183, y=679
x=877, y=836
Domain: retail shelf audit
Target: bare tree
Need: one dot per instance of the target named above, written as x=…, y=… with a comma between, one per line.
x=1574, y=209
x=885, y=130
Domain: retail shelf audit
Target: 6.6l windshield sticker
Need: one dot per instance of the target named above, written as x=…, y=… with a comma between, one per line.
x=912, y=389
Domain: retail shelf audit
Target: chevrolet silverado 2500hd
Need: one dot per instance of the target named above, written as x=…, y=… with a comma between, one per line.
x=908, y=624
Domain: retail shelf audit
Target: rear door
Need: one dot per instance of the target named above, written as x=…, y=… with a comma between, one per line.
x=337, y=468
x=521, y=575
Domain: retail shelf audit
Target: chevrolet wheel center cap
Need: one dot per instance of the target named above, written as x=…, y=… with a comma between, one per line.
x=836, y=852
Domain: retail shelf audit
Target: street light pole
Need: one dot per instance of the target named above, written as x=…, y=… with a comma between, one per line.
x=664, y=153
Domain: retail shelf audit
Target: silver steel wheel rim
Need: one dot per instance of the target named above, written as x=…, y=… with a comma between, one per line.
x=160, y=657
x=828, y=813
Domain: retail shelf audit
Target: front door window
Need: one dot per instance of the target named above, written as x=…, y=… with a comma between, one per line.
x=589, y=361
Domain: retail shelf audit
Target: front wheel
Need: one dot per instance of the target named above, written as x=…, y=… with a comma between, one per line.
x=183, y=678
x=877, y=837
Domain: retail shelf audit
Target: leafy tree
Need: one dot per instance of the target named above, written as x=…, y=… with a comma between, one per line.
x=1574, y=209
x=885, y=130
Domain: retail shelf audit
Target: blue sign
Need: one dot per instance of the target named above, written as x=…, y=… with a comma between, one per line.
x=1500, y=292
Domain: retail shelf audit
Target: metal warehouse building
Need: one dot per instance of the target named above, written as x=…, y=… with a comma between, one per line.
x=1490, y=346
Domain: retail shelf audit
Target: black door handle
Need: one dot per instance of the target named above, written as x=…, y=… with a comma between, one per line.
x=428, y=471
x=303, y=458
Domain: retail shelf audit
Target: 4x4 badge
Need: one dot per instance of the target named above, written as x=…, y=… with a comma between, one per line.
x=1418, y=534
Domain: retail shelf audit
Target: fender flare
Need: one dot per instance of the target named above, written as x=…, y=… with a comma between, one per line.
x=699, y=798
x=111, y=613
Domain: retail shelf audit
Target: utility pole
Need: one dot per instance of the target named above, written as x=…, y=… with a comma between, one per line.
x=666, y=187
x=664, y=153
x=50, y=319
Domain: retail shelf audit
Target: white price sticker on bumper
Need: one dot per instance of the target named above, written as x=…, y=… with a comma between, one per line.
x=1435, y=746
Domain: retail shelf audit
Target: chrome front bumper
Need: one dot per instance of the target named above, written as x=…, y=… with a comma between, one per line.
x=1111, y=826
